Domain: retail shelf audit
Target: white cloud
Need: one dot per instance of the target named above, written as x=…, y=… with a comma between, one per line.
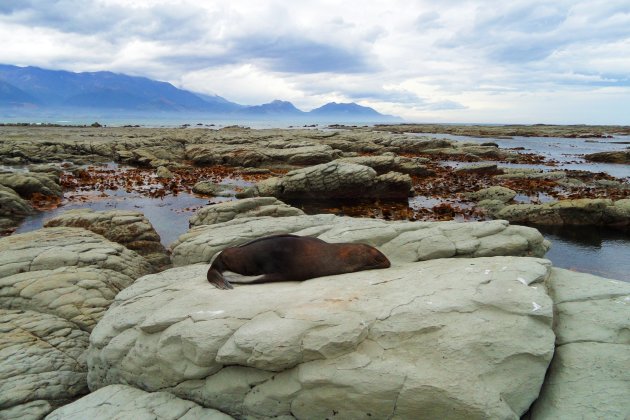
x=457, y=60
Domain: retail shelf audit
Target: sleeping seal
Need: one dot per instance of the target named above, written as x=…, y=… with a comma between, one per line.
x=291, y=257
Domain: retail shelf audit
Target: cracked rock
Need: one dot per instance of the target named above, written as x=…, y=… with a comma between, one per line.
x=248, y=207
x=125, y=402
x=400, y=241
x=589, y=376
x=467, y=339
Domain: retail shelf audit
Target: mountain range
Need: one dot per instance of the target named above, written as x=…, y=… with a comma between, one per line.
x=35, y=89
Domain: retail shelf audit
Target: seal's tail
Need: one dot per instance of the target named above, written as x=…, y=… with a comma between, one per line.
x=217, y=279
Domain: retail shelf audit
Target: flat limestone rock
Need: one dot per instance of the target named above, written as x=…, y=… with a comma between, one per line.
x=457, y=338
x=399, y=241
x=248, y=207
x=129, y=228
x=125, y=402
x=589, y=376
x=42, y=363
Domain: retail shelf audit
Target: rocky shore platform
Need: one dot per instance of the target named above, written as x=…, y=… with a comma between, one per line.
x=98, y=319
x=364, y=172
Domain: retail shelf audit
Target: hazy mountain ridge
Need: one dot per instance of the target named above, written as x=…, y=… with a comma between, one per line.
x=37, y=88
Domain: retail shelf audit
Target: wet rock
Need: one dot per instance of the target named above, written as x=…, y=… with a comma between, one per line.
x=481, y=168
x=400, y=241
x=13, y=208
x=336, y=180
x=55, y=285
x=149, y=157
x=384, y=163
x=129, y=228
x=580, y=212
x=47, y=168
x=164, y=172
x=502, y=194
x=249, y=207
x=525, y=173
x=28, y=183
x=619, y=156
x=366, y=344
x=468, y=150
x=125, y=402
x=589, y=375
x=254, y=155
x=207, y=188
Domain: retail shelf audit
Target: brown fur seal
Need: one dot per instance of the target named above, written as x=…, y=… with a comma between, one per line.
x=290, y=257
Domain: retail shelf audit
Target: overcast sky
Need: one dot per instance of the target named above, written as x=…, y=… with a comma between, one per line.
x=444, y=61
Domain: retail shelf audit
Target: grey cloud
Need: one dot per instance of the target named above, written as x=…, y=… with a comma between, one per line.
x=113, y=22
x=186, y=29
x=299, y=55
x=428, y=20
x=520, y=33
x=399, y=96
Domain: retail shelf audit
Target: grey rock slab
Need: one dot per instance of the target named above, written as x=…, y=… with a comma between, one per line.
x=34, y=410
x=42, y=358
x=55, y=285
x=28, y=183
x=248, y=207
x=125, y=402
x=337, y=179
x=400, y=241
x=12, y=205
x=493, y=193
x=578, y=212
x=80, y=295
x=467, y=338
x=589, y=375
x=52, y=248
x=207, y=188
x=129, y=228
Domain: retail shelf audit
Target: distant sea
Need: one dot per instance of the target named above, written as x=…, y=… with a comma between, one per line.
x=176, y=120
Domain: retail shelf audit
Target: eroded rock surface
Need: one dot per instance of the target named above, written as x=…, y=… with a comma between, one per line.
x=55, y=285
x=619, y=156
x=248, y=207
x=28, y=183
x=390, y=162
x=13, y=208
x=336, y=180
x=42, y=363
x=589, y=376
x=400, y=241
x=259, y=154
x=125, y=402
x=467, y=338
x=585, y=211
x=129, y=228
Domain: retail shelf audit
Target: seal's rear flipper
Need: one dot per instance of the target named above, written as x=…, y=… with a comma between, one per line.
x=217, y=279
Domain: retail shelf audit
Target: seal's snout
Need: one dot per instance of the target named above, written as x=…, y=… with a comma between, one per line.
x=217, y=279
x=380, y=259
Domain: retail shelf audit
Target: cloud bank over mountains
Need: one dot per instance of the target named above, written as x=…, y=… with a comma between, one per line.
x=468, y=61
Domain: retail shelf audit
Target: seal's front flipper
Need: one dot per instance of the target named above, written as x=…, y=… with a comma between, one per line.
x=217, y=279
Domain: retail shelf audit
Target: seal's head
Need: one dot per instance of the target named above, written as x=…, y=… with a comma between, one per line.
x=364, y=257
